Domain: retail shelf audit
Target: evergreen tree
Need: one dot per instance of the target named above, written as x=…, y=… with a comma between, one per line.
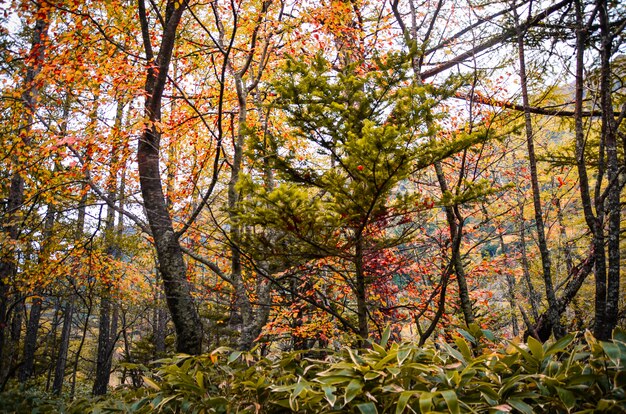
x=345, y=195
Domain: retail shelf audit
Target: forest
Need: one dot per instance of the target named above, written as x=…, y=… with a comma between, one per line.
x=272, y=206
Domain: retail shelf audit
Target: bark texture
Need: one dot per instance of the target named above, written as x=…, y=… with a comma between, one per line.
x=171, y=264
x=546, y=261
x=61, y=361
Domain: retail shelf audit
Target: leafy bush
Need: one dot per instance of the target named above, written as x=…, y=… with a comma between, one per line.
x=570, y=375
x=19, y=400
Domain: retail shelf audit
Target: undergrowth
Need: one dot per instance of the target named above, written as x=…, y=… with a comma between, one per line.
x=470, y=375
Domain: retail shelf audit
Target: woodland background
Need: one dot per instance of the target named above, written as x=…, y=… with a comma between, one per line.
x=177, y=176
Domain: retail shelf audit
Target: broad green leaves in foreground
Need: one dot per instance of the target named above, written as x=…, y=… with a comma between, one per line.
x=571, y=375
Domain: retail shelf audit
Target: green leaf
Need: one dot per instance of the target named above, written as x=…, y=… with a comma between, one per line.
x=233, y=356
x=463, y=348
x=385, y=338
x=605, y=406
x=520, y=405
x=392, y=388
x=452, y=401
x=560, y=345
x=620, y=379
x=355, y=357
x=426, y=401
x=527, y=356
x=371, y=375
x=619, y=334
x=403, y=400
x=367, y=408
x=381, y=350
x=299, y=389
x=536, y=348
x=467, y=335
x=403, y=353
x=489, y=334
x=329, y=394
x=151, y=383
x=334, y=380
x=613, y=351
x=200, y=380
x=164, y=402
x=353, y=389
x=489, y=394
x=456, y=354
x=567, y=397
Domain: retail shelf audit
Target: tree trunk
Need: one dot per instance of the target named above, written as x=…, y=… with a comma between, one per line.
x=242, y=302
x=113, y=331
x=565, y=246
x=533, y=297
x=51, y=343
x=13, y=344
x=544, y=325
x=594, y=222
x=101, y=381
x=80, y=227
x=361, y=289
x=106, y=322
x=80, y=348
x=171, y=264
x=510, y=281
x=455, y=226
x=536, y=192
x=32, y=328
x=160, y=324
x=61, y=362
x=607, y=320
x=30, y=340
x=134, y=374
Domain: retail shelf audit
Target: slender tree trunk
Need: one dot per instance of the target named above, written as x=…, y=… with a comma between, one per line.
x=263, y=286
x=51, y=344
x=32, y=328
x=565, y=246
x=14, y=329
x=160, y=324
x=534, y=180
x=101, y=380
x=250, y=319
x=30, y=340
x=80, y=227
x=543, y=327
x=605, y=325
x=361, y=289
x=594, y=222
x=171, y=264
x=115, y=318
x=533, y=297
x=80, y=348
x=455, y=226
x=453, y=216
x=136, y=378
x=107, y=332
x=510, y=281
x=253, y=318
x=64, y=344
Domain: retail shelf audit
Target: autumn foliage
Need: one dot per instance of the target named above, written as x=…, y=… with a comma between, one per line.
x=181, y=176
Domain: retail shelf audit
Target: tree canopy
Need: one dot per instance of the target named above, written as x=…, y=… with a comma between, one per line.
x=285, y=175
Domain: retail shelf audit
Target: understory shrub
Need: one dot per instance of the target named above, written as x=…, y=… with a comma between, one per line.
x=571, y=375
